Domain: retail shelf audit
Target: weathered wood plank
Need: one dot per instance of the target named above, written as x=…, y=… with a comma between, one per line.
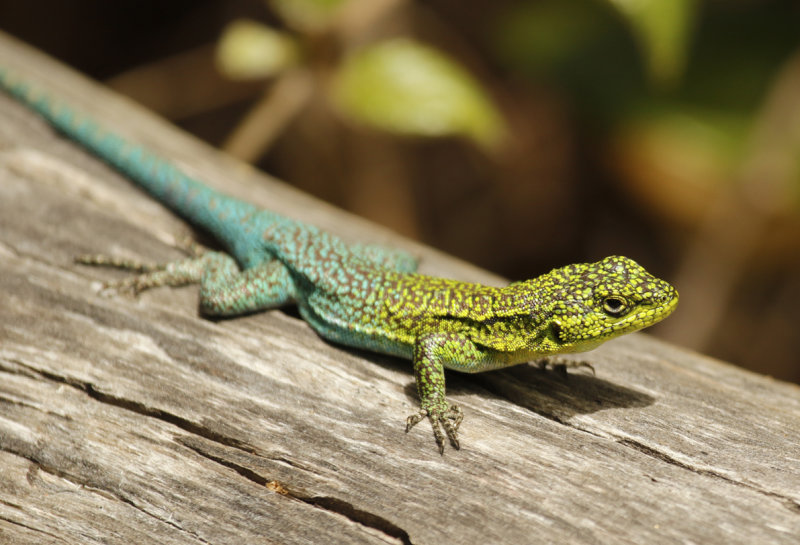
x=135, y=421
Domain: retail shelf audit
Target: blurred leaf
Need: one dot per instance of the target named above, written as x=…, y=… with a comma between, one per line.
x=662, y=29
x=308, y=14
x=409, y=88
x=250, y=50
x=679, y=160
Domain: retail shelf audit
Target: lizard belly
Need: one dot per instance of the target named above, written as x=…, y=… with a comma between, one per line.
x=354, y=327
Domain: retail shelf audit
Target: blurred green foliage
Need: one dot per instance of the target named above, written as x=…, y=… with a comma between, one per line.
x=409, y=88
x=586, y=47
x=398, y=85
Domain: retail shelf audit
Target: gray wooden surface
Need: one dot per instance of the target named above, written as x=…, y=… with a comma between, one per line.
x=135, y=421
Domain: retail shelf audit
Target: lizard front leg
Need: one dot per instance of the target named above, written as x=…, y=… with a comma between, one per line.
x=430, y=353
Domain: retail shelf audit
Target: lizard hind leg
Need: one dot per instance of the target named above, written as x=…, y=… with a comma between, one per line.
x=225, y=289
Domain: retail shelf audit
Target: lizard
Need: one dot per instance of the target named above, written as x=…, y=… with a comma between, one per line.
x=366, y=296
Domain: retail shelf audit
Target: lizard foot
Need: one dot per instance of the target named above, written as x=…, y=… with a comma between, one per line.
x=150, y=275
x=100, y=260
x=560, y=365
x=448, y=417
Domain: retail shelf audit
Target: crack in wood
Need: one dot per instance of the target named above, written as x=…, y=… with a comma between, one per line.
x=160, y=414
x=136, y=407
x=360, y=516
x=328, y=503
x=658, y=455
x=39, y=465
x=35, y=530
x=162, y=520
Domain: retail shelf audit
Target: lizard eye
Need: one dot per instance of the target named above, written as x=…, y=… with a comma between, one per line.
x=615, y=306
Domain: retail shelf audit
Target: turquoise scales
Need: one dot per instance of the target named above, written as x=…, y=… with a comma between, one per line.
x=367, y=296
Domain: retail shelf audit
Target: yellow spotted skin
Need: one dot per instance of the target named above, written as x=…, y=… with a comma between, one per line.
x=368, y=296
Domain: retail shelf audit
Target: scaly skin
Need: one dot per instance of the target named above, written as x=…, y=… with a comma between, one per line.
x=367, y=296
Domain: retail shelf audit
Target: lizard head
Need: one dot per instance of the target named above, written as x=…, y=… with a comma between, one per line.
x=595, y=302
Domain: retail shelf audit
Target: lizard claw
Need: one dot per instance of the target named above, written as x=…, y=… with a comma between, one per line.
x=448, y=418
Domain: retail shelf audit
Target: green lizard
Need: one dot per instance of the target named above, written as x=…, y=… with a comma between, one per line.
x=365, y=296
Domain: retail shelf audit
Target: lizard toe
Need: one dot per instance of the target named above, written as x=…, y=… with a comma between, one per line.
x=447, y=417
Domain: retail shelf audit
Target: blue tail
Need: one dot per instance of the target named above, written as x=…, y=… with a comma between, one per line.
x=200, y=205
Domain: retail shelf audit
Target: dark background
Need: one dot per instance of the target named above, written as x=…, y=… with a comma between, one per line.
x=692, y=169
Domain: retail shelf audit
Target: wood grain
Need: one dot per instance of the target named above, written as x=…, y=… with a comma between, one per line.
x=135, y=421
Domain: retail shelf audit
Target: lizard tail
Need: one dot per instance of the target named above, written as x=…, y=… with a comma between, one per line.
x=191, y=199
